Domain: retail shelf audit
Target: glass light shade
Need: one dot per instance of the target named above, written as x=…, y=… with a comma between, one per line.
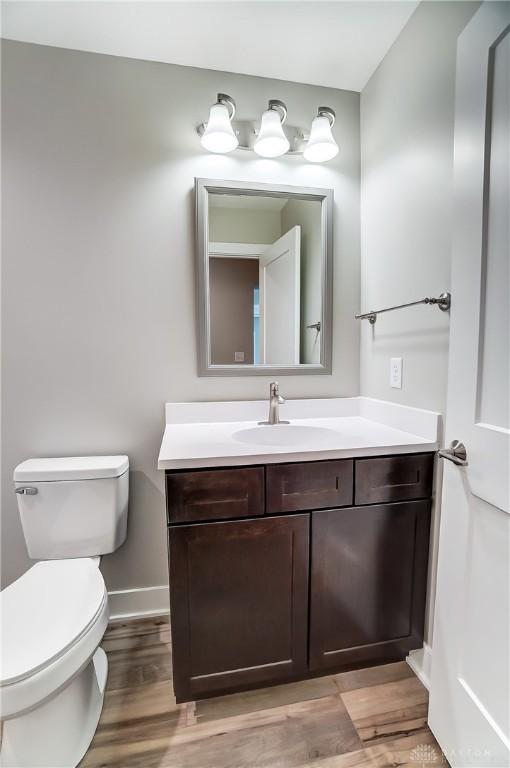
x=271, y=141
x=218, y=135
x=321, y=145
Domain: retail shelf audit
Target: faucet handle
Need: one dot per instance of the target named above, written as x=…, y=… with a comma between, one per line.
x=274, y=391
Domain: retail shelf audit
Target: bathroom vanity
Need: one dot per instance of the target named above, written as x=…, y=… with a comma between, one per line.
x=290, y=557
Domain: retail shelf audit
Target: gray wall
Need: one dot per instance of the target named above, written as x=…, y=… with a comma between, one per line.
x=243, y=225
x=99, y=157
x=407, y=121
x=407, y=111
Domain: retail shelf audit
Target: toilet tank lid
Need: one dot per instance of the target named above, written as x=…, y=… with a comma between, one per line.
x=71, y=468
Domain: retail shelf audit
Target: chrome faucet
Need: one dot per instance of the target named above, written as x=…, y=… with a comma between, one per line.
x=275, y=400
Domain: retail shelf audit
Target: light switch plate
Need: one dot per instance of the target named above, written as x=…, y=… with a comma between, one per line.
x=239, y=357
x=396, y=372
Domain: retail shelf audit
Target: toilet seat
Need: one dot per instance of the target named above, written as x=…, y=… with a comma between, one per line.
x=53, y=619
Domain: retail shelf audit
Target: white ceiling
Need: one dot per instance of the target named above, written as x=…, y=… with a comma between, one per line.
x=335, y=44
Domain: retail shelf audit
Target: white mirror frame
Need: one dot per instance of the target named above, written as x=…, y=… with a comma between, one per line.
x=204, y=187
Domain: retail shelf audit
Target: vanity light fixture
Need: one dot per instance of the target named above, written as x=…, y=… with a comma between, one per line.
x=271, y=140
x=321, y=145
x=218, y=135
x=223, y=134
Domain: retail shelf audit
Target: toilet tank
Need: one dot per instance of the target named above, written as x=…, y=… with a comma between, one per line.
x=73, y=507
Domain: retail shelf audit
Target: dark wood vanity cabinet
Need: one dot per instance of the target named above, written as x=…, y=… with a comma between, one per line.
x=284, y=571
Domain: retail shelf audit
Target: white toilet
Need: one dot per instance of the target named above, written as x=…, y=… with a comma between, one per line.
x=52, y=671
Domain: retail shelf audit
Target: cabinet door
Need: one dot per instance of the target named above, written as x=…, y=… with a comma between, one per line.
x=368, y=582
x=239, y=603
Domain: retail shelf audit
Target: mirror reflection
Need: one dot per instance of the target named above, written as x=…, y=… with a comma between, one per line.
x=265, y=263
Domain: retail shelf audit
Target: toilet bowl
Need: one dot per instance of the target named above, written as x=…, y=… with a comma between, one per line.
x=53, y=673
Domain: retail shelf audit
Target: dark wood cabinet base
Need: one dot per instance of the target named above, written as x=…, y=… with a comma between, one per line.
x=288, y=595
x=390, y=656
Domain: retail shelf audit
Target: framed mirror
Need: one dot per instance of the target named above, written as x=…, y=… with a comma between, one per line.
x=264, y=278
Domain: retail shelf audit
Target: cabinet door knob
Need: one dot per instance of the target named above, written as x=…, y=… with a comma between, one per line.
x=456, y=453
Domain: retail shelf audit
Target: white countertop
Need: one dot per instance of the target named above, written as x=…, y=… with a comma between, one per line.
x=227, y=434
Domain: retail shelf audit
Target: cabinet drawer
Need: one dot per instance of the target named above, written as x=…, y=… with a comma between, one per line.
x=393, y=478
x=215, y=494
x=310, y=485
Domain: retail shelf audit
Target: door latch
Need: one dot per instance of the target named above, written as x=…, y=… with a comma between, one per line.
x=456, y=453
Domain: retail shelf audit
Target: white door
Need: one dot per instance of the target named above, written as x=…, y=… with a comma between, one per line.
x=280, y=285
x=470, y=691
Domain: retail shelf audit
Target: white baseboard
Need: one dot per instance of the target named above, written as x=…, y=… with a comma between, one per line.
x=138, y=603
x=420, y=662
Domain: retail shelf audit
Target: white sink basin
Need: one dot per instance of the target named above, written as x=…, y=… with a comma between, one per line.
x=288, y=434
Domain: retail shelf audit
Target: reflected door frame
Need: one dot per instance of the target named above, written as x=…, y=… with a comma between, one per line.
x=263, y=253
x=248, y=251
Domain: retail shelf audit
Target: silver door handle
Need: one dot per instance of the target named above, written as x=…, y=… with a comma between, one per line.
x=456, y=453
x=26, y=491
